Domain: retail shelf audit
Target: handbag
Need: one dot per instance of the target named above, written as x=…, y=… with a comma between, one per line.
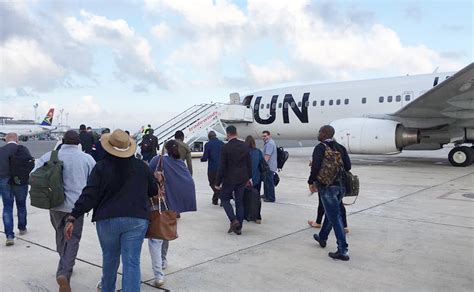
x=163, y=223
x=352, y=186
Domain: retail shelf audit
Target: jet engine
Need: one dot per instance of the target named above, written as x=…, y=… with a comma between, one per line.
x=374, y=136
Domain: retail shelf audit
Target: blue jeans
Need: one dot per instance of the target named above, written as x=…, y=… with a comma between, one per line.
x=237, y=193
x=331, y=196
x=10, y=194
x=121, y=236
x=269, y=186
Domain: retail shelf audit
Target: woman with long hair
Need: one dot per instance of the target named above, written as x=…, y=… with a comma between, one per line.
x=258, y=167
x=118, y=190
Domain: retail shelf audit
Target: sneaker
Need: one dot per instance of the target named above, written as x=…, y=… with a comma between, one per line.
x=23, y=232
x=99, y=286
x=346, y=230
x=63, y=283
x=159, y=282
x=164, y=265
x=258, y=221
x=338, y=256
x=322, y=243
x=10, y=242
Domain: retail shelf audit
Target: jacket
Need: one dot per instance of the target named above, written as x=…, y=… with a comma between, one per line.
x=5, y=153
x=318, y=156
x=235, y=166
x=87, y=141
x=108, y=200
x=212, y=154
x=185, y=154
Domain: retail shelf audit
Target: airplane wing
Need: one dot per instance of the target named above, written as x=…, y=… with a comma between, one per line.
x=453, y=98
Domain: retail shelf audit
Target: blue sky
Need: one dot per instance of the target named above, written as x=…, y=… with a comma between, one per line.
x=127, y=63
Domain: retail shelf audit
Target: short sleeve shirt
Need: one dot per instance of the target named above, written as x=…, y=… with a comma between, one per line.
x=270, y=149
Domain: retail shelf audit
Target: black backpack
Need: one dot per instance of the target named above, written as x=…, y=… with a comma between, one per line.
x=282, y=157
x=147, y=144
x=21, y=164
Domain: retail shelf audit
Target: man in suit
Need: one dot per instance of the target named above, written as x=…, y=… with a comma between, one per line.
x=212, y=154
x=235, y=172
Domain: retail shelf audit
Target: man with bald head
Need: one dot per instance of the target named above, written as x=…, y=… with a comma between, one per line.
x=11, y=191
x=331, y=193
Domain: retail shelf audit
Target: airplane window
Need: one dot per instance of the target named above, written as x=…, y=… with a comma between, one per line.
x=279, y=105
x=322, y=102
x=331, y=102
x=285, y=105
x=398, y=98
x=346, y=101
x=338, y=102
x=314, y=103
x=262, y=106
x=407, y=97
x=306, y=104
x=299, y=103
x=364, y=100
x=293, y=104
x=389, y=98
x=381, y=99
x=268, y=105
x=447, y=77
x=274, y=105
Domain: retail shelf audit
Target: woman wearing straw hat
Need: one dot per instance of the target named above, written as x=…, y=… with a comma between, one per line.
x=118, y=189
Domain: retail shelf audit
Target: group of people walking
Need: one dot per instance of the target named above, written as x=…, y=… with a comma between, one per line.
x=117, y=187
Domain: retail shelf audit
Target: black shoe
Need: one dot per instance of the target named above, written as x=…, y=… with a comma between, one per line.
x=263, y=196
x=215, y=202
x=337, y=256
x=268, y=201
x=322, y=243
x=236, y=227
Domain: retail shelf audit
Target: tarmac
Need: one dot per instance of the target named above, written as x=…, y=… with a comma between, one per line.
x=411, y=229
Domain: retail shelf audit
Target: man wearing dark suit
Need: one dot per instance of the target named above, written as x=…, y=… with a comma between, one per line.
x=235, y=172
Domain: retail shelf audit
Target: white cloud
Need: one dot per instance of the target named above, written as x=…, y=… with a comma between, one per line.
x=132, y=52
x=161, y=31
x=272, y=73
x=23, y=60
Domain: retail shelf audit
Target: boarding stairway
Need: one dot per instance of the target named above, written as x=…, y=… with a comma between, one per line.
x=199, y=119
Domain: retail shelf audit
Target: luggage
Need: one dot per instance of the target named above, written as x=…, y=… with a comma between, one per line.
x=163, y=223
x=47, y=189
x=276, y=179
x=21, y=164
x=331, y=166
x=282, y=157
x=252, y=204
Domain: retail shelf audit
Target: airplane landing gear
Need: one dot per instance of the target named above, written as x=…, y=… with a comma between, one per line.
x=461, y=156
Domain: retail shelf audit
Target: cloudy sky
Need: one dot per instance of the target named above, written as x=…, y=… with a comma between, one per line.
x=124, y=63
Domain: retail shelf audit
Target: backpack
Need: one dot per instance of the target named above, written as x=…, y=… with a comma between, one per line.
x=147, y=144
x=351, y=184
x=47, y=189
x=330, y=167
x=21, y=164
x=282, y=157
x=263, y=167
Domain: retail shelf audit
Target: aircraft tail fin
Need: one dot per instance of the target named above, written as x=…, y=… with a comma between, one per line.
x=48, y=119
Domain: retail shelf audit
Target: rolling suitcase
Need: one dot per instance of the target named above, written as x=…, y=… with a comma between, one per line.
x=252, y=204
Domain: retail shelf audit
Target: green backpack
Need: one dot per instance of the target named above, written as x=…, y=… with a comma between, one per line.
x=47, y=189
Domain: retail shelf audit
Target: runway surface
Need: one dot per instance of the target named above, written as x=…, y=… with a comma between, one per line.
x=412, y=229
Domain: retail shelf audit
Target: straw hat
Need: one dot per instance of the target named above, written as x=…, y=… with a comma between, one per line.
x=118, y=144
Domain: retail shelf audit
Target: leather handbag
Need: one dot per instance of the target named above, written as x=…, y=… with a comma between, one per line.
x=163, y=223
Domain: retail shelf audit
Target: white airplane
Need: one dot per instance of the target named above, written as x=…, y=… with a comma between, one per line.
x=25, y=129
x=377, y=116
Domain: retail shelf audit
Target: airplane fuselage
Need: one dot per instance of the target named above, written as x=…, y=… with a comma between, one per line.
x=298, y=112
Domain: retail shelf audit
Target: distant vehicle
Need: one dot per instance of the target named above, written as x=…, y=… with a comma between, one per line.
x=26, y=128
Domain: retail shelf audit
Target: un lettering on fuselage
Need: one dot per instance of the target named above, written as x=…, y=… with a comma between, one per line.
x=288, y=102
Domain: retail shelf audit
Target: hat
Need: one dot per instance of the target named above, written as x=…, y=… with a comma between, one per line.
x=118, y=144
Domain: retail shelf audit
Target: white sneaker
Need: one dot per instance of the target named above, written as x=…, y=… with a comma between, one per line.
x=99, y=286
x=9, y=242
x=159, y=282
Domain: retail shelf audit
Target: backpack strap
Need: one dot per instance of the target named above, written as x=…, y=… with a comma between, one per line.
x=54, y=156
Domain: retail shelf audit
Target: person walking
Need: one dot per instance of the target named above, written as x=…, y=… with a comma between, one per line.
x=180, y=196
x=118, y=190
x=234, y=174
x=270, y=156
x=11, y=191
x=86, y=138
x=149, y=145
x=212, y=152
x=257, y=175
x=332, y=192
x=184, y=150
x=77, y=167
